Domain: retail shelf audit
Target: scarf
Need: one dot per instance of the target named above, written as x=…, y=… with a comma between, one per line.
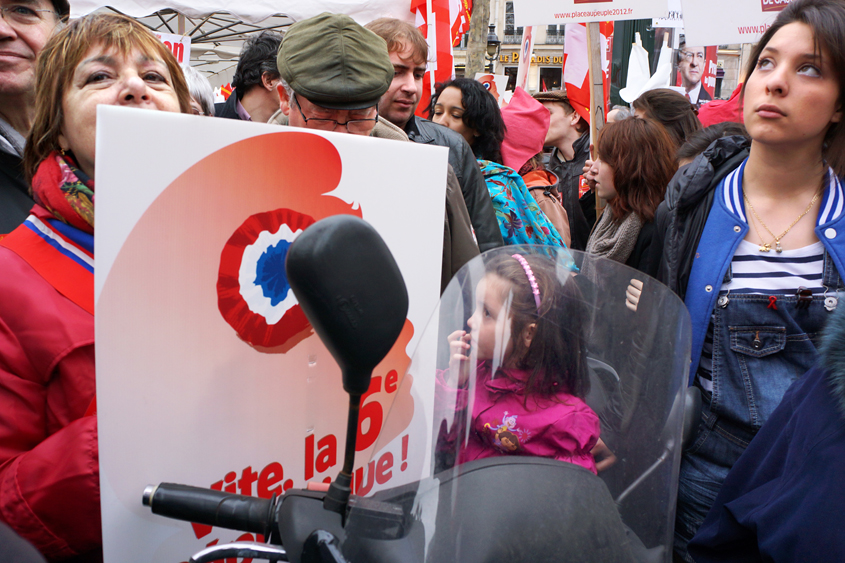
x=65, y=191
x=614, y=241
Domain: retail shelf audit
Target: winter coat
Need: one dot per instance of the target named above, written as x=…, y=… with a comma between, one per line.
x=15, y=201
x=229, y=108
x=783, y=499
x=49, y=472
x=680, y=219
x=469, y=177
x=520, y=219
x=562, y=428
x=569, y=172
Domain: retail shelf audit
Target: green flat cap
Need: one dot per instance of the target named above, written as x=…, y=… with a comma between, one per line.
x=335, y=63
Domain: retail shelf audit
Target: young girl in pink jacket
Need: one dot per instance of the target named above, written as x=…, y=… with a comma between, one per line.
x=530, y=368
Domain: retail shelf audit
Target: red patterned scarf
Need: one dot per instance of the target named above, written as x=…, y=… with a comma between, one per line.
x=66, y=191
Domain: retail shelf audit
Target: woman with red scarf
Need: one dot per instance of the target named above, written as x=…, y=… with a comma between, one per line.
x=49, y=473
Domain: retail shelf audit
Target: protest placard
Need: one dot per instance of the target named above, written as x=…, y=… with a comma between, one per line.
x=705, y=23
x=543, y=12
x=207, y=375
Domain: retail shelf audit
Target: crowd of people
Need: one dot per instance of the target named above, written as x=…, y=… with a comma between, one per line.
x=742, y=222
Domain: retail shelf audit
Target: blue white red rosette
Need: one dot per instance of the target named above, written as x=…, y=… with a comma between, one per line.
x=253, y=293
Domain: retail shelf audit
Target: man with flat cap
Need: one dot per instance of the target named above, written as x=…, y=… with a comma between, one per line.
x=333, y=74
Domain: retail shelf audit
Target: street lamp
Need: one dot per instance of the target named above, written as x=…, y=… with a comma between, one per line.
x=493, y=46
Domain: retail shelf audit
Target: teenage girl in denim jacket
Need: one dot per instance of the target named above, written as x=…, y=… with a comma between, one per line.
x=766, y=269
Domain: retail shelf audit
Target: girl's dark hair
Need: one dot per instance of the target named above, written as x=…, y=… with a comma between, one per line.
x=672, y=110
x=700, y=140
x=643, y=160
x=827, y=20
x=557, y=355
x=481, y=112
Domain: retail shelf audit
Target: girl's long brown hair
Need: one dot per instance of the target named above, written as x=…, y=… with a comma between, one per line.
x=643, y=160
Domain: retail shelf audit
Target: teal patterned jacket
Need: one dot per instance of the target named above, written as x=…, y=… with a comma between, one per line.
x=520, y=218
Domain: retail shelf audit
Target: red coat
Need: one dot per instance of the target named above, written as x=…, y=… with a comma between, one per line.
x=49, y=471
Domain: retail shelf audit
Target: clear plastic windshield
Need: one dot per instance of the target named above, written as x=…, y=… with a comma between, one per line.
x=552, y=389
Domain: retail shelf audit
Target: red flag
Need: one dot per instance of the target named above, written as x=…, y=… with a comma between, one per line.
x=226, y=90
x=440, y=65
x=461, y=11
x=576, y=65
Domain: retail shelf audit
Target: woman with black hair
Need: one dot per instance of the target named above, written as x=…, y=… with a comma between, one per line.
x=468, y=108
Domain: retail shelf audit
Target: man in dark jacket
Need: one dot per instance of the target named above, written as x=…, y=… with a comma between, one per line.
x=255, y=96
x=22, y=36
x=408, y=52
x=569, y=140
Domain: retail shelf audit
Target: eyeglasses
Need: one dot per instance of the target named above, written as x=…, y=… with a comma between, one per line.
x=24, y=15
x=352, y=125
x=689, y=55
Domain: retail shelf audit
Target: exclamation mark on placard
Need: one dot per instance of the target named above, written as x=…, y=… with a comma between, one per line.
x=404, y=465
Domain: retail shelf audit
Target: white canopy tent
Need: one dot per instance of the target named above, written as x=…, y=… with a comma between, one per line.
x=217, y=28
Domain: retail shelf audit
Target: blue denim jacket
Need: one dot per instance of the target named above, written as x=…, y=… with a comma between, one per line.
x=726, y=227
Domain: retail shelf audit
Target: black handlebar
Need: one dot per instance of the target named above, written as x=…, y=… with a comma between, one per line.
x=213, y=508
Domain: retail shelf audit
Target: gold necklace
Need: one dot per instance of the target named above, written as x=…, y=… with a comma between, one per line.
x=766, y=247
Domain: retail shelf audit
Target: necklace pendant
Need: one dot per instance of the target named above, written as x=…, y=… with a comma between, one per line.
x=765, y=248
x=778, y=247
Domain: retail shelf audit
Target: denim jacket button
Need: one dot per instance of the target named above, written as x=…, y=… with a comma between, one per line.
x=830, y=233
x=737, y=228
x=708, y=288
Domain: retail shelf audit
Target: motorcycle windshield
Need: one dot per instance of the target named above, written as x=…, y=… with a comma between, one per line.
x=551, y=389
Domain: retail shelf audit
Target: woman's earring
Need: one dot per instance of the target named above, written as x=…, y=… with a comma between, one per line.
x=61, y=151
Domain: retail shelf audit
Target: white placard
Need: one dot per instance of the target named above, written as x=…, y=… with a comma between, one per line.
x=181, y=396
x=721, y=22
x=674, y=19
x=179, y=45
x=543, y=12
x=253, y=11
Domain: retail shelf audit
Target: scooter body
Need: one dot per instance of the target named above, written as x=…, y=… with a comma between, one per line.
x=507, y=506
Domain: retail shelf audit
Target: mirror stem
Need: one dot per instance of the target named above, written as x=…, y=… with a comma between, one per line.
x=341, y=488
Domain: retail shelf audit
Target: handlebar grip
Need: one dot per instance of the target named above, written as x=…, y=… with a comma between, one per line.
x=210, y=507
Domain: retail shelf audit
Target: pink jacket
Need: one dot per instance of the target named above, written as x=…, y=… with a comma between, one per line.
x=563, y=428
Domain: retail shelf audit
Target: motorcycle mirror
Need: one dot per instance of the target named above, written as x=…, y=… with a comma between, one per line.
x=352, y=292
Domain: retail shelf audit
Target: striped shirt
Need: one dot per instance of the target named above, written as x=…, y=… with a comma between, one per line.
x=770, y=273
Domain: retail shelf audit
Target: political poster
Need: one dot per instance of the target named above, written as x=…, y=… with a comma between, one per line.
x=696, y=74
x=720, y=22
x=208, y=373
x=543, y=12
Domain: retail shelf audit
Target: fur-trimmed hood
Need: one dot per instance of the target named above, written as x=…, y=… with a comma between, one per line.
x=833, y=356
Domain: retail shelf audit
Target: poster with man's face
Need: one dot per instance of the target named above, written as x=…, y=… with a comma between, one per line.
x=697, y=72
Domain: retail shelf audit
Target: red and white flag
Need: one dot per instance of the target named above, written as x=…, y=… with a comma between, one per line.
x=576, y=65
x=525, y=53
x=435, y=18
x=460, y=11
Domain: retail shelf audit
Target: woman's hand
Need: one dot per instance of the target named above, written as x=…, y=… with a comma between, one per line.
x=459, y=356
x=633, y=293
x=590, y=171
x=603, y=456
